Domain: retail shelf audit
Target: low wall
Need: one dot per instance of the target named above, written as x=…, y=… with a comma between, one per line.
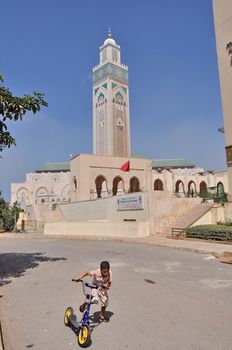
x=103, y=217
x=98, y=228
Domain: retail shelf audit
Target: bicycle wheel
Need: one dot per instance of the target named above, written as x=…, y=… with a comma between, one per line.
x=67, y=315
x=84, y=336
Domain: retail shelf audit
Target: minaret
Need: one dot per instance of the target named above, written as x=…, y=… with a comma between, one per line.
x=111, y=118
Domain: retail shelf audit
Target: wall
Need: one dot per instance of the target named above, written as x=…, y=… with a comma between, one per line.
x=165, y=208
x=100, y=217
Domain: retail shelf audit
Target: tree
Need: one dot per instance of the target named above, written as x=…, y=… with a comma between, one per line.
x=9, y=214
x=14, y=108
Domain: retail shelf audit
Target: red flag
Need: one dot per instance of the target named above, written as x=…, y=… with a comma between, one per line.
x=125, y=166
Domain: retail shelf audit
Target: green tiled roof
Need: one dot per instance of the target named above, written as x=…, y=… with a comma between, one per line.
x=139, y=156
x=53, y=167
x=171, y=163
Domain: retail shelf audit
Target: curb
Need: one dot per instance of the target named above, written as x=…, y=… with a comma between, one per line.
x=1, y=338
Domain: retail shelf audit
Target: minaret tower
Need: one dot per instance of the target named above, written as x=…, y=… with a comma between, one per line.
x=111, y=118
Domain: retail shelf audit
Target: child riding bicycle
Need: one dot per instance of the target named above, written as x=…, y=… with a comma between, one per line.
x=102, y=278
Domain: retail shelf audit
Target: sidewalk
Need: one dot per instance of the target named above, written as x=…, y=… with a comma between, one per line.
x=198, y=246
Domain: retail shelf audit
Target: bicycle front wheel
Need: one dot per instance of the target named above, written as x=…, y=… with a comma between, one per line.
x=84, y=336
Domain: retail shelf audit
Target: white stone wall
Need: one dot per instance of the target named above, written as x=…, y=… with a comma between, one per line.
x=195, y=176
x=42, y=188
x=80, y=183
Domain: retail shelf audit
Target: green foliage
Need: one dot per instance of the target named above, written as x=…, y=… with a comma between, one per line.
x=14, y=108
x=8, y=214
x=226, y=223
x=210, y=232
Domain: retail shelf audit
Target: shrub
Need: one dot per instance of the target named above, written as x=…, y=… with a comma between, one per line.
x=211, y=232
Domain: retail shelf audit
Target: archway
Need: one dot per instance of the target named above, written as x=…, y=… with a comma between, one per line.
x=203, y=188
x=22, y=196
x=134, y=185
x=158, y=185
x=220, y=191
x=117, y=185
x=191, y=189
x=179, y=187
x=100, y=182
x=42, y=195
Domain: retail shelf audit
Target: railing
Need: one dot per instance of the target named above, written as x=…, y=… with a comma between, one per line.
x=178, y=232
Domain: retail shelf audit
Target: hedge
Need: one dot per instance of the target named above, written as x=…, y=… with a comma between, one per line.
x=210, y=232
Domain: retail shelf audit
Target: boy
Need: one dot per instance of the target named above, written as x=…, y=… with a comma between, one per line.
x=101, y=278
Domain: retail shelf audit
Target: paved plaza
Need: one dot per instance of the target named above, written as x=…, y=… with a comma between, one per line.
x=161, y=298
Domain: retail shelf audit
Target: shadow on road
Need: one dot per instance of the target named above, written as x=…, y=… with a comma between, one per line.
x=16, y=264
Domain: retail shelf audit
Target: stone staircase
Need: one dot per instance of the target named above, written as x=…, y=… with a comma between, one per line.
x=185, y=220
x=43, y=213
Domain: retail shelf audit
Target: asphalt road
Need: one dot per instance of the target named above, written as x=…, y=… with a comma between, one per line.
x=160, y=298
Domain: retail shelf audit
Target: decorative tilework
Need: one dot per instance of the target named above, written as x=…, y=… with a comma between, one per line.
x=125, y=90
x=110, y=70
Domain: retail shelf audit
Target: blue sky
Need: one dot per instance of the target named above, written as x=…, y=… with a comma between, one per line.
x=51, y=46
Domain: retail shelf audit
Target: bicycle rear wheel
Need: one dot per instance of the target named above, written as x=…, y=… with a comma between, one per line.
x=84, y=336
x=67, y=315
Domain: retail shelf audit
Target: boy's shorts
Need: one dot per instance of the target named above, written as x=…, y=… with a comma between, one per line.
x=100, y=295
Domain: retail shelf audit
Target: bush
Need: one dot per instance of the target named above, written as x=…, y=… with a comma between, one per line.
x=211, y=232
x=226, y=223
x=9, y=214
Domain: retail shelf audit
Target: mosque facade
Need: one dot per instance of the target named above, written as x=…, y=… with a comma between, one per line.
x=100, y=175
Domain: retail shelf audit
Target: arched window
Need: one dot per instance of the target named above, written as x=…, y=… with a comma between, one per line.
x=220, y=188
x=99, y=182
x=179, y=187
x=117, y=185
x=191, y=189
x=75, y=183
x=134, y=185
x=203, y=188
x=158, y=185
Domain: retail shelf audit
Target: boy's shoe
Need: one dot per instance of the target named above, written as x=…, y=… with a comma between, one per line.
x=83, y=307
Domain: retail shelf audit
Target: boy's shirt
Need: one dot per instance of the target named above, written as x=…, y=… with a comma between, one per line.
x=98, y=279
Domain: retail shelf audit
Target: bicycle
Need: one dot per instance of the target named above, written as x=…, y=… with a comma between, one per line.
x=83, y=331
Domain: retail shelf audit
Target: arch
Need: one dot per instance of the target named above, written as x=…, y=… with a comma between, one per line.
x=220, y=189
x=116, y=181
x=191, y=189
x=203, y=188
x=158, y=185
x=42, y=195
x=179, y=188
x=65, y=192
x=74, y=183
x=134, y=185
x=99, y=181
x=22, y=196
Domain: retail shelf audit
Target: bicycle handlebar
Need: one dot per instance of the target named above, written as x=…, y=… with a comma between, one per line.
x=87, y=284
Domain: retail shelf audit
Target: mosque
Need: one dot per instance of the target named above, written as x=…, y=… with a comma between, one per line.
x=112, y=174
